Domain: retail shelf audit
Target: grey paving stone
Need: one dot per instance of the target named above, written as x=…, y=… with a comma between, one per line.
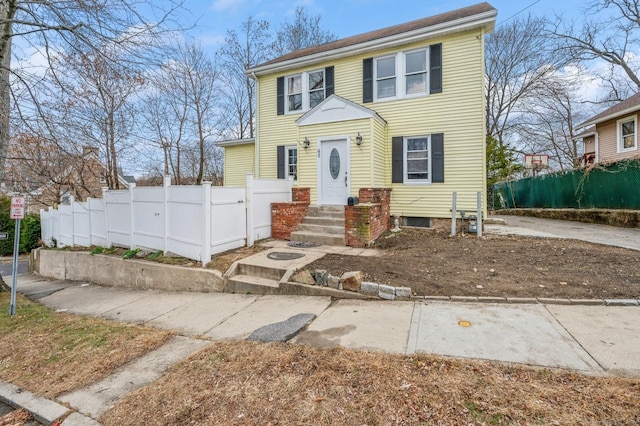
x=77, y=419
x=369, y=288
x=282, y=331
x=621, y=302
x=43, y=410
x=464, y=299
x=404, y=292
x=387, y=292
x=487, y=299
x=523, y=300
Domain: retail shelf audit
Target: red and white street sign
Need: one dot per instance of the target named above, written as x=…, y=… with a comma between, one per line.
x=17, y=208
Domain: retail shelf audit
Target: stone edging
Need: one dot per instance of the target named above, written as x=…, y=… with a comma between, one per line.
x=530, y=300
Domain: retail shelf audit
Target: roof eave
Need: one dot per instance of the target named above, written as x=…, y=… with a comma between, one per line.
x=615, y=115
x=459, y=25
x=235, y=142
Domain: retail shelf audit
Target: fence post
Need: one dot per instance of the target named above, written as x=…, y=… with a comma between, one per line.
x=166, y=184
x=479, y=215
x=72, y=204
x=105, y=190
x=454, y=202
x=132, y=188
x=249, y=209
x=207, y=221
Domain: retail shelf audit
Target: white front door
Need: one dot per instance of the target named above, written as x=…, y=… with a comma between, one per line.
x=333, y=172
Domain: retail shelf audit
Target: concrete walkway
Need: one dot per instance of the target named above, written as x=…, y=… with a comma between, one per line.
x=551, y=228
x=601, y=340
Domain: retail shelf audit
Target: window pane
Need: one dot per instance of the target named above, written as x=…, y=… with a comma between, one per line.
x=295, y=102
x=315, y=98
x=316, y=80
x=386, y=67
x=416, y=83
x=418, y=176
x=292, y=160
x=387, y=88
x=416, y=155
x=418, y=166
x=416, y=61
x=628, y=128
x=295, y=84
x=418, y=144
x=629, y=142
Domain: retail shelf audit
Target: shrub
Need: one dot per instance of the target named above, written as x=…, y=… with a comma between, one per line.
x=29, y=230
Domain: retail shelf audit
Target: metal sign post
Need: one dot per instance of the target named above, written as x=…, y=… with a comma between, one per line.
x=17, y=213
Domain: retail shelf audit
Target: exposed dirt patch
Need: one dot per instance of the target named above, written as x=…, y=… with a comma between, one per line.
x=223, y=261
x=234, y=383
x=500, y=266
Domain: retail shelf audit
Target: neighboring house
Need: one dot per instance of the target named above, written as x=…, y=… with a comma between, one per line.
x=611, y=135
x=82, y=177
x=399, y=108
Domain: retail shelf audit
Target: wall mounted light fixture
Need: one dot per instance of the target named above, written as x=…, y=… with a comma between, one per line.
x=306, y=142
x=359, y=139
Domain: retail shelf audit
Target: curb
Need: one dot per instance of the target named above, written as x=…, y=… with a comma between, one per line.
x=529, y=300
x=42, y=409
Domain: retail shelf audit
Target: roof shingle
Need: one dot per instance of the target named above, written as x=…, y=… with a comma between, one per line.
x=430, y=21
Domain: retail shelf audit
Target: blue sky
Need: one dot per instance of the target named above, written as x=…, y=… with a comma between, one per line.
x=346, y=18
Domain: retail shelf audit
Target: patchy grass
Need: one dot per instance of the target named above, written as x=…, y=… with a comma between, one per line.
x=249, y=383
x=50, y=353
x=223, y=261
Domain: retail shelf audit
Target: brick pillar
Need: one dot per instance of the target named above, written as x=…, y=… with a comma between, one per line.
x=301, y=194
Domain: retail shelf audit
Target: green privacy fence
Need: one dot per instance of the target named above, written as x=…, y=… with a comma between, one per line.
x=613, y=186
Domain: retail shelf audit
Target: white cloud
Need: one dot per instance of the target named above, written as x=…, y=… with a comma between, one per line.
x=226, y=5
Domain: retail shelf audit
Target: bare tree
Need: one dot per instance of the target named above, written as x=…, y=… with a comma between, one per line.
x=304, y=31
x=83, y=26
x=239, y=53
x=612, y=34
x=95, y=96
x=182, y=112
x=549, y=120
x=519, y=58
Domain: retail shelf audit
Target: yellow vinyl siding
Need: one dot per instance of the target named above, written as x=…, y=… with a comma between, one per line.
x=238, y=161
x=458, y=112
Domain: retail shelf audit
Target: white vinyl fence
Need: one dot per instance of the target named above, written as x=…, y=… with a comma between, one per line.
x=190, y=221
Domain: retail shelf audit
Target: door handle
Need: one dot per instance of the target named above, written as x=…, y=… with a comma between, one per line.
x=345, y=179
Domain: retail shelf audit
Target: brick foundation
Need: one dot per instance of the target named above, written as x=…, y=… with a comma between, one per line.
x=285, y=217
x=365, y=222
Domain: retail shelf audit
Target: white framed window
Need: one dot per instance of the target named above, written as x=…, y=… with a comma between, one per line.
x=415, y=72
x=385, y=72
x=417, y=159
x=627, y=134
x=304, y=91
x=401, y=75
x=291, y=162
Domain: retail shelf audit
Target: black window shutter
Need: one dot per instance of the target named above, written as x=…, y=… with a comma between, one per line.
x=437, y=158
x=280, y=89
x=328, y=79
x=367, y=80
x=281, y=162
x=397, y=159
x=435, y=68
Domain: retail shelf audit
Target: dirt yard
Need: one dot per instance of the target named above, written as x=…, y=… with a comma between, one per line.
x=500, y=266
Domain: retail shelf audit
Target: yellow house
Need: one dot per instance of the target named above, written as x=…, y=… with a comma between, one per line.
x=399, y=108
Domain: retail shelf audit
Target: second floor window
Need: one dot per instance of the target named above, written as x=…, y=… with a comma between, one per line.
x=401, y=75
x=627, y=134
x=305, y=90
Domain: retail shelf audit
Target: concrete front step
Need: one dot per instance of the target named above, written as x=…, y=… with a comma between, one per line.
x=324, y=221
x=321, y=229
x=249, y=284
x=319, y=238
x=259, y=271
x=326, y=211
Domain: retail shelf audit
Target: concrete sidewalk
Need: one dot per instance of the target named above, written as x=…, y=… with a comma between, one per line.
x=597, y=340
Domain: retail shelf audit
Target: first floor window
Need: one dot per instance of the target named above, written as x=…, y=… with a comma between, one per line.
x=292, y=162
x=416, y=159
x=627, y=134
